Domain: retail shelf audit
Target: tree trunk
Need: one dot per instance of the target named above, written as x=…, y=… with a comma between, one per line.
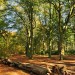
x=49, y=42
x=27, y=43
x=60, y=37
x=74, y=40
x=31, y=32
x=49, y=49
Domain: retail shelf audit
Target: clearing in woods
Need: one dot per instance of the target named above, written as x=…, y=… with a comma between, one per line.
x=39, y=60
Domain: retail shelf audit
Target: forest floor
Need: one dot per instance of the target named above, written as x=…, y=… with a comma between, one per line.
x=44, y=61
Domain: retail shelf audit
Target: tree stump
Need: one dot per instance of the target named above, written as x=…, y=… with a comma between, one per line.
x=58, y=70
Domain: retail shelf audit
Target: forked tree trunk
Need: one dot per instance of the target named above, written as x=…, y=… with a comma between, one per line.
x=31, y=33
x=30, y=16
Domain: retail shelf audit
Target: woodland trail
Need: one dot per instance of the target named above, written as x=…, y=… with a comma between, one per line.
x=39, y=60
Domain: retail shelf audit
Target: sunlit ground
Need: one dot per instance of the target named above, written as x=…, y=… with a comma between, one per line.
x=39, y=60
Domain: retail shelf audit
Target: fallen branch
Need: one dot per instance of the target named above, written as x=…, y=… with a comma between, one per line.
x=52, y=69
x=26, y=67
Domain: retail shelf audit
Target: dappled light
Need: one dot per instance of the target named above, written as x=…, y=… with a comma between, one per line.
x=37, y=37
x=5, y=70
x=45, y=62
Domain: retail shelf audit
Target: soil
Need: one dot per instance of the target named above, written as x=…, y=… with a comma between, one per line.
x=44, y=61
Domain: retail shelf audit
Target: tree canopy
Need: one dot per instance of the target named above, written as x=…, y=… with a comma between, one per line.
x=38, y=26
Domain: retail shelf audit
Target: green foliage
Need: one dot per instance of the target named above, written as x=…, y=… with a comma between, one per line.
x=4, y=53
x=21, y=52
x=54, y=52
x=44, y=17
x=3, y=25
x=70, y=52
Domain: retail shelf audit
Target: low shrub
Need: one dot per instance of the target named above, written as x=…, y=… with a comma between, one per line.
x=70, y=52
x=54, y=52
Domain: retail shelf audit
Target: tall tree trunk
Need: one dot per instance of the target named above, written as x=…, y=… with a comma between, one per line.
x=60, y=37
x=31, y=32
x=49, y=42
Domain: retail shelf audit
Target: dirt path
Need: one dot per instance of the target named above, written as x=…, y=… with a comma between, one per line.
x=5, y=70
x=40, y=60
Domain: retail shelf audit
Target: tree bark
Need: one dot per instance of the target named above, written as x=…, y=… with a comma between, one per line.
x=27, y=43
x=31, y=31
x=60, y=37
x=49, y=42
x=32, y=68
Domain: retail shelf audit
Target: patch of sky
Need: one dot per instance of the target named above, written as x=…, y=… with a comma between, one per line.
x=12, y=30
x=12, y=2
x=44, y=20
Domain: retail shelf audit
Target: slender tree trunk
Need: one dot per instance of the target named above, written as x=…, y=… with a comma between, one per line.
x=43, y=48
x=31, y=41
x=60, y=40
x=27, y=43
x=31, y=32
x=49, y=48
x=74, y=35
x=74, y=40
x=52, y=46
x=49, y=42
